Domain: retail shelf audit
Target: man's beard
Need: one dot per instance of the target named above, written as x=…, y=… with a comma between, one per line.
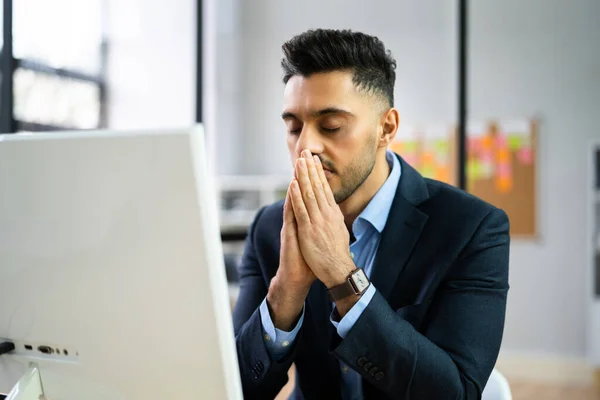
x=354, y=176
x=356, y=173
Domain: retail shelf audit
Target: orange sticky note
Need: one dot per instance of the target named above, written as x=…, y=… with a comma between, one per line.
x=502, y=155
x=487, y=142
x=428, y=159
x=397, y=147
x=442, y=174
x=504, y=184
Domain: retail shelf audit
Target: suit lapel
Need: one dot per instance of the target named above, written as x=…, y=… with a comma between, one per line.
x=402, y=230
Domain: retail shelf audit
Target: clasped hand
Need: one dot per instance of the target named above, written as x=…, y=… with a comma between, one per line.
x=322, y=234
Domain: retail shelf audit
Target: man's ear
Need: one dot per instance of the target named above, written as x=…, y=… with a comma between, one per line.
x=390, y=124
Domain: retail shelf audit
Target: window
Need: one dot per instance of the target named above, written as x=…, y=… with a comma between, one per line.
x=58, y=73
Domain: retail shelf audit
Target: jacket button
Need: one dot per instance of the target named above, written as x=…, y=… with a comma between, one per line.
x=367, y=366
x=362, y=361
x=379, y=376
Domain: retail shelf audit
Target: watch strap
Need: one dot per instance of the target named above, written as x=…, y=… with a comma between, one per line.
x=344, y=289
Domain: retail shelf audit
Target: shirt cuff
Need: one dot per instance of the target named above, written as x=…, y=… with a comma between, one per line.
x=344, y=326
x=278, y=342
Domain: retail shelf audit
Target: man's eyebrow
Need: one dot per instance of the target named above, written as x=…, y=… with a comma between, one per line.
x=331, y=110
x=318, y=113
x=288, y=115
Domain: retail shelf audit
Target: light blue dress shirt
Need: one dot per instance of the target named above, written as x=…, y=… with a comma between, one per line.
x=367, y=230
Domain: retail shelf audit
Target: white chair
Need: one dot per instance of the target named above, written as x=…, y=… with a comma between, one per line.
x=497, y=388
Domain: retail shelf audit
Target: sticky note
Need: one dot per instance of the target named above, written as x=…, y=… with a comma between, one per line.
x=515, y=142
x=478, y=170
x=525, y=156
x=503, y=185
x=486, y=157
x=501, y=142
x=502, y=155
x=410, y=146
x=503, y=170
x=428, y=172
x=410, y=159
x=441, y=146
x=397, y=147
x=473, y=145
x=487, y=142
x=442, y=174
x=471, y=167
x=487, y=170
x=428, y=159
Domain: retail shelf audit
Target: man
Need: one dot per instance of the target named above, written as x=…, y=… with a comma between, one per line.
x=375, y=282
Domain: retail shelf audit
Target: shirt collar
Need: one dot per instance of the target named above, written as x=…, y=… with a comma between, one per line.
x=378, y=209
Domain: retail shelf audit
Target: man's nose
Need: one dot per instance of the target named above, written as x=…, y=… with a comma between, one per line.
x=309, y=139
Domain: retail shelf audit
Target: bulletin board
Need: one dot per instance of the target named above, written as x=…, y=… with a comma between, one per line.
x=501, y=163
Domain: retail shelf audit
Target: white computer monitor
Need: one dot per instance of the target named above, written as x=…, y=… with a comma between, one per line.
x=112, y=280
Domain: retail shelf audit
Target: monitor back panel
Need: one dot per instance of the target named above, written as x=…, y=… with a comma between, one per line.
x=111, y=269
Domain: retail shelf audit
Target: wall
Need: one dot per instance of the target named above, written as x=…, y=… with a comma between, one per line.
x=151, y=69
x=541, y=58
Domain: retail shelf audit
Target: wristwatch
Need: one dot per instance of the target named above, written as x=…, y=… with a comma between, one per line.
x=356, y=284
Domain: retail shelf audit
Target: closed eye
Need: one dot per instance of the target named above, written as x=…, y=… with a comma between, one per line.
x=330, y=130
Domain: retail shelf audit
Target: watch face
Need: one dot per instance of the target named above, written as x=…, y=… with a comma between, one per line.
x=360, y=281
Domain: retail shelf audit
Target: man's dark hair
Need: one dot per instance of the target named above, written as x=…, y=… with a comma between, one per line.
x=326, y=50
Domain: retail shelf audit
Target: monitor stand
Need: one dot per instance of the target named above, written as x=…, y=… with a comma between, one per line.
x=29, y=386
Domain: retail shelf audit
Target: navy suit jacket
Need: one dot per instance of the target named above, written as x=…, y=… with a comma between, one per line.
x=434, y=327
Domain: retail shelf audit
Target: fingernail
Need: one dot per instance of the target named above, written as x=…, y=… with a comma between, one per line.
x=317, y=159
x=306, y=153
x=302, y=162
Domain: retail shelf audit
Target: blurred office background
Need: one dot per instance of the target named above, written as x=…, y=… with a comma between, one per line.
x=157, y=64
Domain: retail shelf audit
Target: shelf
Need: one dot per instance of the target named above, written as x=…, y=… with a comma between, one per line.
x=236, y=220
x=253, y=182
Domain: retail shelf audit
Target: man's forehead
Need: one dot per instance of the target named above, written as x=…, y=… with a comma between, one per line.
x=320, y=91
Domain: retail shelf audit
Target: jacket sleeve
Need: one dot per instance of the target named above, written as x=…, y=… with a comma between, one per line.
x=454, y=355
x=262, y=377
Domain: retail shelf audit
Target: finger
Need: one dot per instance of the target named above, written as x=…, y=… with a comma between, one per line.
x=306, y=190
x=288, y=231
x=288, y=212
x=315, y=180
x=326, y=188
x=300, y=212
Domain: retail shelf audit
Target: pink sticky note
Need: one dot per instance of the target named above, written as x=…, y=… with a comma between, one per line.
x=486, y=157
x=410, y=159
x=503, y=170
x=525, y=155
x=501, y=142
x=472, y=145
